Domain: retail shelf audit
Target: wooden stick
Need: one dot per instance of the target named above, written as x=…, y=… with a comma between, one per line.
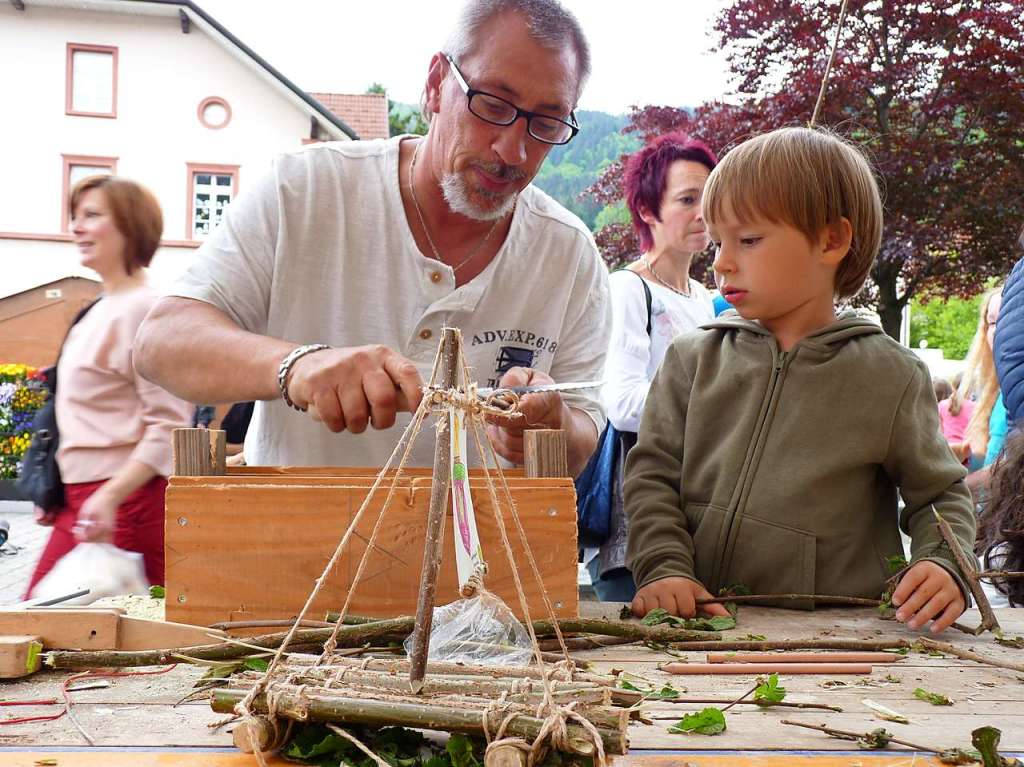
x=233, y=625
x=356, y=635
x=824, y=599
x=766, y=668
x=586, y=643
x=794, y=644
x=439, y=490
x=718, y=701
x=804, y=657
x=630, y=629
x=969, y=570
x=952, y=649
x=544, y=453
x=847, y=735
x=1000, y=574
x=366, y=711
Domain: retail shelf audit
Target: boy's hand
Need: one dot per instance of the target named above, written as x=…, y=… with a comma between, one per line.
x=927, y=592
x=676, y=595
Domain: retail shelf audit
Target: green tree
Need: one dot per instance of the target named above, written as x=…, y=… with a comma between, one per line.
x=947, y=324
x=402, y=118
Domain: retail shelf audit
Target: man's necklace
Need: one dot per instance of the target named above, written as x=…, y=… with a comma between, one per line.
x=673, y=288
x=423, y=223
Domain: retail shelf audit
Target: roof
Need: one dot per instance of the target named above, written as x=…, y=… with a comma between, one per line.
x=367, y=113
x=190, y=13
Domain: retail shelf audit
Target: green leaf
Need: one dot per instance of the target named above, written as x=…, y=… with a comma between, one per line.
x=714, y=623
x=256, y=664
x=460, y=749
x=625, y=613
x=959, y=756
x=1017, y=642
x=770, y=692
x=157, y=592
x=986, y=740
x=932, y=697
x=756, y=638
x=656, y=616
x=895, y=563
x=710, y=721
x=625, y=684
x=222, y=671
x=315, y=741
x=875, y=739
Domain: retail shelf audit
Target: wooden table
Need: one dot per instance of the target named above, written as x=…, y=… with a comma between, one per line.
x=136, y=720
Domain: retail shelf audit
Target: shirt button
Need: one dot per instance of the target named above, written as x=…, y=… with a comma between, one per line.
x=425, y=334
x=435, y=276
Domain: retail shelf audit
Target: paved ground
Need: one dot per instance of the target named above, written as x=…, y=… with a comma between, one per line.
x=18, y=555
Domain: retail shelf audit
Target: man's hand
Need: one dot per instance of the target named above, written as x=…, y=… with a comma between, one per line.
x=539, y=410
x=677, y=595
x=927, y=592
x=352, y=387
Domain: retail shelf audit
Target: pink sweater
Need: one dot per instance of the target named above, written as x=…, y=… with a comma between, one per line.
x=954, y=426
x=106, y=413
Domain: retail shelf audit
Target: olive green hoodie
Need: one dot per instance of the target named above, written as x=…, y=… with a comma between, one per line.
x=780, y=470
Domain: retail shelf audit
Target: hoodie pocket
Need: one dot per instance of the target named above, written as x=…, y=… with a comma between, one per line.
x=770, y=558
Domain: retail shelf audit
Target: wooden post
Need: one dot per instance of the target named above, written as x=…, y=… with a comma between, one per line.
x=191, y=452
x=439, y=491
x=218, y=452
x=545, y=453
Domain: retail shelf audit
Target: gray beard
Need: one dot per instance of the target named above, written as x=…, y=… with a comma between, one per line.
x=453, y=186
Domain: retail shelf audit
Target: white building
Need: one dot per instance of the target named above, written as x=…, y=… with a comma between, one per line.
x=153, y=90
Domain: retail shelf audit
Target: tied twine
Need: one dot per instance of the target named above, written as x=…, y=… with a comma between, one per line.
x=554, y=733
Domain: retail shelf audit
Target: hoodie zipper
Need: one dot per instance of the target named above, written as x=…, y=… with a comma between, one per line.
x=750, y=466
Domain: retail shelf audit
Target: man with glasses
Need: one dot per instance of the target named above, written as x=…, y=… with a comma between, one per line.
x=328, y=285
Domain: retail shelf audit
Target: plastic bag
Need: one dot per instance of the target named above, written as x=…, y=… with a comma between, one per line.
x=480, y=630
x=103, y=568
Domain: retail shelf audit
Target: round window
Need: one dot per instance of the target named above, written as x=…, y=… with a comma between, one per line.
x=214, y=112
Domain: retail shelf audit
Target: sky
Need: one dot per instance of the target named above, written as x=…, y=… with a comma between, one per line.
x=644, y=51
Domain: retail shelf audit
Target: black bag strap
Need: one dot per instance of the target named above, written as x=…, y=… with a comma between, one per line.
x=647, y=298
x=51, y=379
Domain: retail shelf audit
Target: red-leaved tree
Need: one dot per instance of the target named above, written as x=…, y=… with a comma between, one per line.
x=934, y=94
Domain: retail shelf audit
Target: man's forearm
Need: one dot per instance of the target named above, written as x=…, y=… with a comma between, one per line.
x=196, y=352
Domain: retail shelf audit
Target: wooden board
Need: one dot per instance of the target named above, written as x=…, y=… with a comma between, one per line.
x=254, y=546
x=138, y=712
x=19, y=655
x=68, y=628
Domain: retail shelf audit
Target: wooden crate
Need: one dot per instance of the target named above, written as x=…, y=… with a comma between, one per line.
x=250, y=544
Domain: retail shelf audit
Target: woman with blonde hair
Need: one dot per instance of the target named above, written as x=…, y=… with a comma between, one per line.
x=986, y=429
x=115, y=427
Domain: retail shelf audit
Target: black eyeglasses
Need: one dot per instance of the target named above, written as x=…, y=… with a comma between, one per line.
x=497, y=111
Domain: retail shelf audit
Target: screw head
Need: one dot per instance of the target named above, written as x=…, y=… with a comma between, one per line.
x=181, y=598
x=182, y=521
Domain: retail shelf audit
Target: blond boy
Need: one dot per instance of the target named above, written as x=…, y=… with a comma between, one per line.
x=773, y=445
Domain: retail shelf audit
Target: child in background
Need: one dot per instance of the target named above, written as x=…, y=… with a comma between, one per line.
x=772, y=446
x=1001, y=525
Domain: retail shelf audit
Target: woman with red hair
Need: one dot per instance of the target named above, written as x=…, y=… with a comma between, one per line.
x=115, y=426
x=653, y=301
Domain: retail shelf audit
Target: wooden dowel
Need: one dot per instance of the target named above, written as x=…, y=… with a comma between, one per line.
x=439, y=491
x=766, y=668
x=544, y=453
x=804, y=657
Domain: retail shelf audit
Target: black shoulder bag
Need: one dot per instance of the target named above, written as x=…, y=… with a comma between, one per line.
x=40, y=480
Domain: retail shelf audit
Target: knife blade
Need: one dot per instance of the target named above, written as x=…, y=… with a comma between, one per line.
x=487, y=391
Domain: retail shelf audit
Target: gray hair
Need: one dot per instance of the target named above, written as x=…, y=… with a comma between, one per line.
x=549, y=22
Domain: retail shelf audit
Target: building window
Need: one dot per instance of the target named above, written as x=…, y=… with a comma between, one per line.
x=210, y=190
x=214, y=112
x=77, y=167
x=91, y=89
